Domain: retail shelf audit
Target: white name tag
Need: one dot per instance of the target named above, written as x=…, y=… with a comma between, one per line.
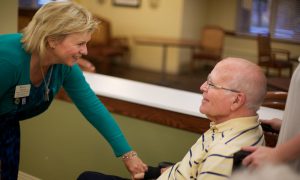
x=22, y=91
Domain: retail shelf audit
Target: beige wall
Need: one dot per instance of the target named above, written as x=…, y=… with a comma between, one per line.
x=176, y=19
x=223, y=13
x=8, y=16
x=194, y=18
x=172, y=18
x=164, y=21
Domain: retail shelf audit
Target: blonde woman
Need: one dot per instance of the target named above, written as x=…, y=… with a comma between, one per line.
x=34, y=65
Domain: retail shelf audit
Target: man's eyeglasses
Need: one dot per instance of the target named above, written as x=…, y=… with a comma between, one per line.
x=212, y=85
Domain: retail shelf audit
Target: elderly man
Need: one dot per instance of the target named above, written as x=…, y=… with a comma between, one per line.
x=232, y=94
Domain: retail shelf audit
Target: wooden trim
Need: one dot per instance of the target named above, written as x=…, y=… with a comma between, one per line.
x=167, y=118
x=155, y=115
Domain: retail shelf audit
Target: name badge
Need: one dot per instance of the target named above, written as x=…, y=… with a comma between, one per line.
x=22, y=91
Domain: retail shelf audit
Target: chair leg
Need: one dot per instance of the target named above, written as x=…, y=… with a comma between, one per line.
x=192, y=65
x=267, y=71
x=279, y=72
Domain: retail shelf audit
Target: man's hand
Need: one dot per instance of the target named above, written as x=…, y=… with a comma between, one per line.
x=142, y=175
x=139, y=176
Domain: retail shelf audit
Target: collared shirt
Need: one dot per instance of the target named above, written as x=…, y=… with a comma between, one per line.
x=211, y=157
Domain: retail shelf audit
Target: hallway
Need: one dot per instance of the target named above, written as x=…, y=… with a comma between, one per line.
x=186, y=81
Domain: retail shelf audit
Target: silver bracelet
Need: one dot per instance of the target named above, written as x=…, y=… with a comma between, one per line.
x=129, y=155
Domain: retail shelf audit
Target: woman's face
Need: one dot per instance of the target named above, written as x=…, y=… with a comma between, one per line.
x=71, y=48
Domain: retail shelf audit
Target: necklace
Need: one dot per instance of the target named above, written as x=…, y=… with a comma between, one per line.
x=46, y=84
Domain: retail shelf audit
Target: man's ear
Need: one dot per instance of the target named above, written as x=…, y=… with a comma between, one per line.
x=239, y=101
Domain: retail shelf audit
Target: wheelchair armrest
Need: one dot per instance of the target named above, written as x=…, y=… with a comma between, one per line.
x=238, y=158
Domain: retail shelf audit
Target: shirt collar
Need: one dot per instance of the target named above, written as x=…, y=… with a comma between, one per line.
x=242, y=122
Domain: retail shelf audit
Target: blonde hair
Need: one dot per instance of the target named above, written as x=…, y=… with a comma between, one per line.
x=56, y=20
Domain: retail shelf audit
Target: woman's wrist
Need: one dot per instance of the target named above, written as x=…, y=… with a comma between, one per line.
x=129, y=155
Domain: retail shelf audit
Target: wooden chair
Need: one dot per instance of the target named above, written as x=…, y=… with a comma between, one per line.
x=103, y=48
x=275, y=99
x=24, y=17
x=211, y=45
x=270, y=58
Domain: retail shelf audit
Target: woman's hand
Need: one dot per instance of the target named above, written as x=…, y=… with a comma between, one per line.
x=259, y=156
x=133, y=163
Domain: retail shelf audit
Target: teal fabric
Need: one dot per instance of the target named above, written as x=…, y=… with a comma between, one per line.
x=15, y=70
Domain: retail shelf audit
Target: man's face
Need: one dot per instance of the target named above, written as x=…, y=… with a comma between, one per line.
x=217, y=96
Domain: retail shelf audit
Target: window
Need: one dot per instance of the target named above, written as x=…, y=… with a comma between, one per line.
x=280, y=18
